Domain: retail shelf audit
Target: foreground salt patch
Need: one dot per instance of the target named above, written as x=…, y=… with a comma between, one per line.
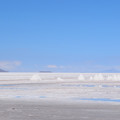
x=60, y=79
x=81, y=77
x=62, y=91
x=36, y=77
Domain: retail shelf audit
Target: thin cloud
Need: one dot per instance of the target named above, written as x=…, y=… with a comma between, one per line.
x=51, y=66
x=9, y=65
x=55, y=66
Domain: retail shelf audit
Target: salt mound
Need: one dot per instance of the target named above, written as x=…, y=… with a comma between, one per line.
x=98, y=77
x=113, y=77
x=59, y=79
x=36, y=77
x=81, y=77
x=110, y=77
x=91, y=77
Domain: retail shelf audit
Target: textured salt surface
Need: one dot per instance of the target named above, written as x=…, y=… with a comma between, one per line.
x=30, y=96
x=23, y=110
x=60, y=86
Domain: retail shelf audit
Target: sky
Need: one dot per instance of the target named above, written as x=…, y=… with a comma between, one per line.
x=60, y=35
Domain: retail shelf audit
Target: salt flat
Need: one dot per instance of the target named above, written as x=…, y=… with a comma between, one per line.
x=41, y=110
x=60, y=96
x=61, y=86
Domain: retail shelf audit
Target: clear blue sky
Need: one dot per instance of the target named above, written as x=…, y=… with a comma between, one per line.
x=60, y=35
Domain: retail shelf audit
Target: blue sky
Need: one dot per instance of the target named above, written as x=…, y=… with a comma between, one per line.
x=60, y=35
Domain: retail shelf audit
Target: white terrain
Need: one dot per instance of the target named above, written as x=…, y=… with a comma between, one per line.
x=93, y=90
x=104, y=87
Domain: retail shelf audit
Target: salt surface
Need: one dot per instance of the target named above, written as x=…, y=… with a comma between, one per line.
x=60, y=86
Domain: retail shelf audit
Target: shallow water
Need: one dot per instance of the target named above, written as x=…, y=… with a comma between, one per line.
x=98, y=99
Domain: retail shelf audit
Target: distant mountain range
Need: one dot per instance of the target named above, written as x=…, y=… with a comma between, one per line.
x=2, y=70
